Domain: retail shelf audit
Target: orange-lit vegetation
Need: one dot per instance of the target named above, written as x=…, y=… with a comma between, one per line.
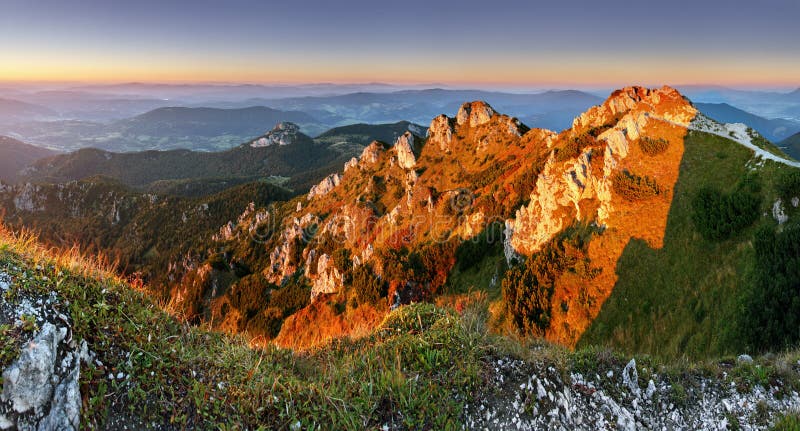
x=633, y=187
x=528, y=287
x=653, y=146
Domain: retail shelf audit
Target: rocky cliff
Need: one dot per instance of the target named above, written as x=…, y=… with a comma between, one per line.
x=585, y=187
x=423, y=196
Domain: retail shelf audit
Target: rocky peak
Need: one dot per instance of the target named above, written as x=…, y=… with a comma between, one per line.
x=405, y=148
x=283, y=133
x=562, y=186
x=325, y=186
x=474, y=114
x=664, y=103
x=441, y=132
x=371, y=153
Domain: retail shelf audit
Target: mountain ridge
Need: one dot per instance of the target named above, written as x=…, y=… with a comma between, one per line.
x=537, y=220
x=792, y=145
x=774, y=130
x=16, y=155
x=287, y=165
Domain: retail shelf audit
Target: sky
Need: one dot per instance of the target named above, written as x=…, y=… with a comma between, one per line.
x=488, y=43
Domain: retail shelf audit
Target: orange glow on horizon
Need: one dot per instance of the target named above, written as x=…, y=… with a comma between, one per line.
x=494, y=72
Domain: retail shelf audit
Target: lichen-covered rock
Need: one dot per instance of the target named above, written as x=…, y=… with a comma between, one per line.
x=41, y=389
x=27, y=382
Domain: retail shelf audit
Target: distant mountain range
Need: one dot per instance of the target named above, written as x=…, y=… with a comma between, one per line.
x=768, y=104
x=101, y=120
x=201, y=128
x=207, y=129
x=16, y=155
x=283, y=163
x=207, y=117
x=194, y=93
x=421, y=105
x=14, y=110
x=81, y=105
x=791, y=145
x=297, y=163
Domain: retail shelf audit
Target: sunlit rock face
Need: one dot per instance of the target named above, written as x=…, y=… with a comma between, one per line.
x=474, y=114
x=325, y=186
x=405, y=147
x=580, y=188
x=561, y=187
x=440, y=132
x=478, y=168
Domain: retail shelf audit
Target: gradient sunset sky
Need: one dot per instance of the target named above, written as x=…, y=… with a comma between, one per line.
x=580, y=43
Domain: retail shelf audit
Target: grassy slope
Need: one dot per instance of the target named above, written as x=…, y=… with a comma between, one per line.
x=415, y=371
x=682, y=300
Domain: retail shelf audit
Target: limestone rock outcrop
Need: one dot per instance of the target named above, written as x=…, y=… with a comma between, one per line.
x=325, y=186
x=474, y=114
x=405, y=148
x=291, y=238
x=41, y=388
x=440, y=132
x=371, y=154
x=351, y=164
x=328, y=279
x=282, y=134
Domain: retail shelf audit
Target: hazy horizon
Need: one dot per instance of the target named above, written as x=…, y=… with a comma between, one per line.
x=390, y=86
